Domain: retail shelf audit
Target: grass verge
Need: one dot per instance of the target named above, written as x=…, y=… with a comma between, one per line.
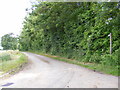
x=106, y=69
x=13, y=65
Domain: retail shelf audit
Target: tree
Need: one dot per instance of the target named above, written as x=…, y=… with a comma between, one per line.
x=8, y=41
x=72, y=30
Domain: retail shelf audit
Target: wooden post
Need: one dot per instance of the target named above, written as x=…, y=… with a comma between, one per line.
x=110, y=35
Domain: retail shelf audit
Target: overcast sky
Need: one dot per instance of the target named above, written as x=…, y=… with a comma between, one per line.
x=12, y=13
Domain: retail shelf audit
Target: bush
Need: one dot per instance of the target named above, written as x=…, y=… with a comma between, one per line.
x=111, y=59
x=107, y=59
x=96, y=58
x=5, y=57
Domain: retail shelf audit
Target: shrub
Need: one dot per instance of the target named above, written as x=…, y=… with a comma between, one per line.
x=5, y=57
x=96, y=58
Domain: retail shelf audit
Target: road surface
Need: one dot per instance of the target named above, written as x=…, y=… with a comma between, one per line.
x=43, y=72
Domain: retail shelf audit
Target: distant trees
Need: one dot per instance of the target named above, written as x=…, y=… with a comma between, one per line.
x=8, y=41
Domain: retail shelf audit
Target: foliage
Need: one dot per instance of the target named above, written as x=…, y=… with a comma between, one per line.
x=72, y=30
x=5, y=57
x=13, y=64
x=9, y=42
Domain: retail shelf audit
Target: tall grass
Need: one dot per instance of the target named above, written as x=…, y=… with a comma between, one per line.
x=12, y=61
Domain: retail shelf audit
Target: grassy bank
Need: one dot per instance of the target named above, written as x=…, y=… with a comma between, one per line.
x=106, y=69
x=11, y=61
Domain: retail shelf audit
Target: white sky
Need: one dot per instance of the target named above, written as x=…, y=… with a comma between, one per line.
x=12, y=13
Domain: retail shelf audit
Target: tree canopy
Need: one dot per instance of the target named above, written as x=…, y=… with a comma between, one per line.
x=77, y=30
x=8, y=41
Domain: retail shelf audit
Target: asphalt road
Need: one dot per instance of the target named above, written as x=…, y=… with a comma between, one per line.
x=43, y=72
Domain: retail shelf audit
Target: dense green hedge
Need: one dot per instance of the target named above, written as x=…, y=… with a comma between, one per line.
x=76, y=30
